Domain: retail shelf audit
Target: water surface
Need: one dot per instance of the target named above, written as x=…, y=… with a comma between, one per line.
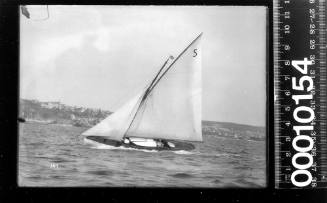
x=56, y=155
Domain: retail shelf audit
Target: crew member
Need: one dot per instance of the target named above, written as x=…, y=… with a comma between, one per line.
x=126, y=140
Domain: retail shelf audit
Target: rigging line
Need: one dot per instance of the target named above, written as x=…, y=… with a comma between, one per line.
x=155, y=78
x=175, y=61
x=119, y=101
x=147, y=87
x=145, y=96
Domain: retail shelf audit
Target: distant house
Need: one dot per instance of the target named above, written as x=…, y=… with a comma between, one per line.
x=34, y=101
x=72, y=117
x=51, y=105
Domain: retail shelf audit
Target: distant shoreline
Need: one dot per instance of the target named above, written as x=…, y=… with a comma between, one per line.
x=109, y=112
x=33, y=111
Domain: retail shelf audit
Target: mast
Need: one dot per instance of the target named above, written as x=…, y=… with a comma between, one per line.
x=153, y=81
x=147, y=91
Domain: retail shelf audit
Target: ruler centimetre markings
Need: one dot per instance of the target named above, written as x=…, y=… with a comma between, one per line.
x=299, y=44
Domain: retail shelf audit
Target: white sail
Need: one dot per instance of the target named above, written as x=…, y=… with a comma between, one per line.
x=172, y=110
x=116, y=124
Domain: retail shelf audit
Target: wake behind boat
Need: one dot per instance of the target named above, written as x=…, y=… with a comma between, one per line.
x=163, y=116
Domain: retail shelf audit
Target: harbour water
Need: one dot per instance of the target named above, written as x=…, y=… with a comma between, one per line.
x=54, y=155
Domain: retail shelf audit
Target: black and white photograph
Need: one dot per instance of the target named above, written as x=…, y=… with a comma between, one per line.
x=142, y=96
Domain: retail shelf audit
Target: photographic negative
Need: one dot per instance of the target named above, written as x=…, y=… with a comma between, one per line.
x=143, y=96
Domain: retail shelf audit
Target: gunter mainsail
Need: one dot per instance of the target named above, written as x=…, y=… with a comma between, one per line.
x=169, y=108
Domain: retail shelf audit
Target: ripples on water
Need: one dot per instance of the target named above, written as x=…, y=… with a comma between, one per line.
x=56, y=155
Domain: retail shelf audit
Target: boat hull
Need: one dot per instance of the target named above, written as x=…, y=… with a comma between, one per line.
x=178, y=145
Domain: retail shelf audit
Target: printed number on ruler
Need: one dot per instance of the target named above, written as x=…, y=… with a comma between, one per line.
x=300, y=93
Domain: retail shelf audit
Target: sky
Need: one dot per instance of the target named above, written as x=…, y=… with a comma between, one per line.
x=101, y=56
